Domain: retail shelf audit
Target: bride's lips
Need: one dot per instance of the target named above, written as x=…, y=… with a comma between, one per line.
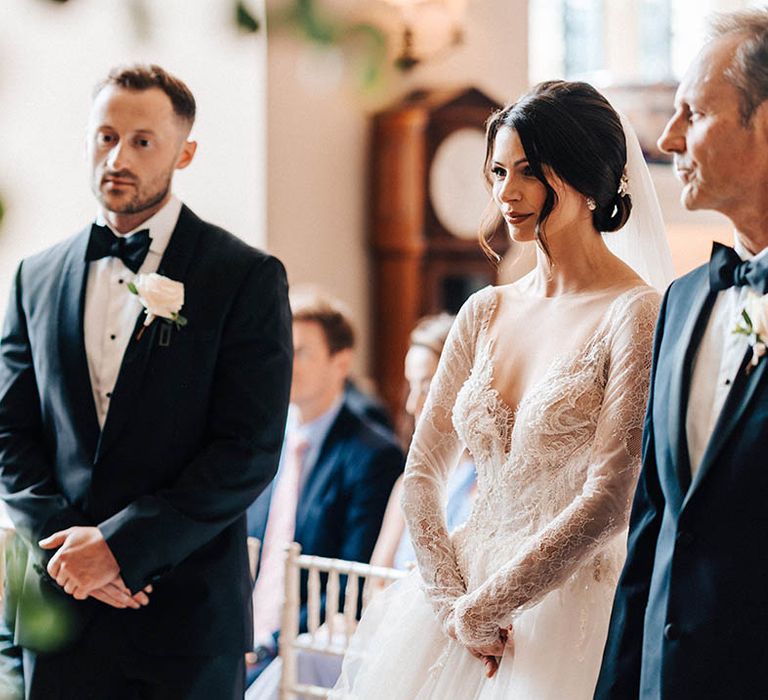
x=517, y=218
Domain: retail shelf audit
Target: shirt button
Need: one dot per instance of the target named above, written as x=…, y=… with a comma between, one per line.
x=671, y=632
x=112, y=337
x=727, y=382
x=119, y=281
x=109, y=394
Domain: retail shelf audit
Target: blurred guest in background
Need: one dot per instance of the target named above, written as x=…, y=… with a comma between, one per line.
x=336, y=472
x=393, y=547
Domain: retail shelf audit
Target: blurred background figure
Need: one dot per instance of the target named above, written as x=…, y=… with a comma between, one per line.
x=393, y=547
x=336, y=470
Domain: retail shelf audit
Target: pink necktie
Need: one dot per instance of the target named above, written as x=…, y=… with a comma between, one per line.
x=268, y=593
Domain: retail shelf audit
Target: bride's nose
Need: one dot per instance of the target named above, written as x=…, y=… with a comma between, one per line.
x=510, y=191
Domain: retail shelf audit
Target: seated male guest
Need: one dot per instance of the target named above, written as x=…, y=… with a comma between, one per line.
x=336, y=472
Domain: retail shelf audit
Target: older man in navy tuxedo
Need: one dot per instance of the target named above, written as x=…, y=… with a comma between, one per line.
x=144, y=382
x=691, y=610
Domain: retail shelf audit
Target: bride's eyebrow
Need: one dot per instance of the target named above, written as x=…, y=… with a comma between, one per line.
x=519, y=161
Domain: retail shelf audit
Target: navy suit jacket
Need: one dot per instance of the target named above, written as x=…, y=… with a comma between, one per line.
x=690, y=618
x=343, y=499
x=192, y=436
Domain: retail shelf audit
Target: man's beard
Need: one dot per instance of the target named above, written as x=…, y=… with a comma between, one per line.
x=140, y=202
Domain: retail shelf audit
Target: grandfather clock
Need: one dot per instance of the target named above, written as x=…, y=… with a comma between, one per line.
x=427, y=199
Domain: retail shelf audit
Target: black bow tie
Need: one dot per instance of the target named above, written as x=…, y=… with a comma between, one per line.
x=727, y=269
x=130, y=249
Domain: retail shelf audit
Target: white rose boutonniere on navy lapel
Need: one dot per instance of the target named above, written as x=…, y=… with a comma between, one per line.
x=162, y=298
x=753, y=323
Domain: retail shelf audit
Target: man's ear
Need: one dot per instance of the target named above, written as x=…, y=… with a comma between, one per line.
x=343, y=361
x=186, y=155
x=760, y=119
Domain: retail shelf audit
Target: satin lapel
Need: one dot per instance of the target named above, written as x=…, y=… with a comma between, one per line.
x=174, y=265
x=701, y=308
x=736, y=404
x=69, y=320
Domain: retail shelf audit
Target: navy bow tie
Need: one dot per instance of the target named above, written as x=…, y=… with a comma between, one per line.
x=130, y=249
x=727, y=269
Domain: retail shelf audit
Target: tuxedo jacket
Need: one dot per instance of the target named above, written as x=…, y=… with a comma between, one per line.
x=345, y=494
x=192, y=436
x=690, y=618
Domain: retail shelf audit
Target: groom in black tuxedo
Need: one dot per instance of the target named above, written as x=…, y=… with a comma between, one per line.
x=690, y=619
x=135, y=429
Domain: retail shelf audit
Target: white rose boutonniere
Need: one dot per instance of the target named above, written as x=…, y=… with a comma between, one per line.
x=753, y=323
x=161, y=298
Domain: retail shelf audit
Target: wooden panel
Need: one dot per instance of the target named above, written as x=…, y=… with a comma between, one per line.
x=397, y=181
x=397, y=306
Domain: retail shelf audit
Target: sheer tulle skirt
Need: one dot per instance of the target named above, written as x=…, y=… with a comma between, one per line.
x=399, y=651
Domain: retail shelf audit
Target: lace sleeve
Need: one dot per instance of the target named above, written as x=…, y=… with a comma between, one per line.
x=601, y=509
x=434, y=452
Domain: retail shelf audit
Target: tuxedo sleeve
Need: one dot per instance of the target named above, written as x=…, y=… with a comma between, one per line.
x=246, y=420
x=620, y=673
x=29, y=489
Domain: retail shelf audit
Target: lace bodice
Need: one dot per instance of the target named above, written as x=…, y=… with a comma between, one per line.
x=555, y=474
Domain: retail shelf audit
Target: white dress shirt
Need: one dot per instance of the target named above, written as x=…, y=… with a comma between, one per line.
x=715, y=365
x=111, y=310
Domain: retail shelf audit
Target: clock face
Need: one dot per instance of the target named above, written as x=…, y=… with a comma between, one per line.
x=456, y=185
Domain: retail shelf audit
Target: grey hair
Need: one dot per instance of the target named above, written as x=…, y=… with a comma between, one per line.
x=749, y=70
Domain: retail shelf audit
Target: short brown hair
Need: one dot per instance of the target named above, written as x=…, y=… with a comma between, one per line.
x=330, y=314
x=749, y=69
x=141, y=77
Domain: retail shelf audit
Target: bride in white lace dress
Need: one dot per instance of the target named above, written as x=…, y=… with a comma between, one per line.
x=545, y=382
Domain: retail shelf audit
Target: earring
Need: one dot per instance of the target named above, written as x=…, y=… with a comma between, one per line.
x=591, y=204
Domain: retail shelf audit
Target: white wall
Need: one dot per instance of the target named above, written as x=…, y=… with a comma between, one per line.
x=318, y=146
x=50, y=58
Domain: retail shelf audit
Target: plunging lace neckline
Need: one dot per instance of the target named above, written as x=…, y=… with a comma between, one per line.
x=486, y=354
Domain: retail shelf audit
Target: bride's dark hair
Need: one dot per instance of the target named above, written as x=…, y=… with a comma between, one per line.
x=572, y=129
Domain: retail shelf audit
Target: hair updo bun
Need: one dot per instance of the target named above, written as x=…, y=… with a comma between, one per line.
x=614, y=215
